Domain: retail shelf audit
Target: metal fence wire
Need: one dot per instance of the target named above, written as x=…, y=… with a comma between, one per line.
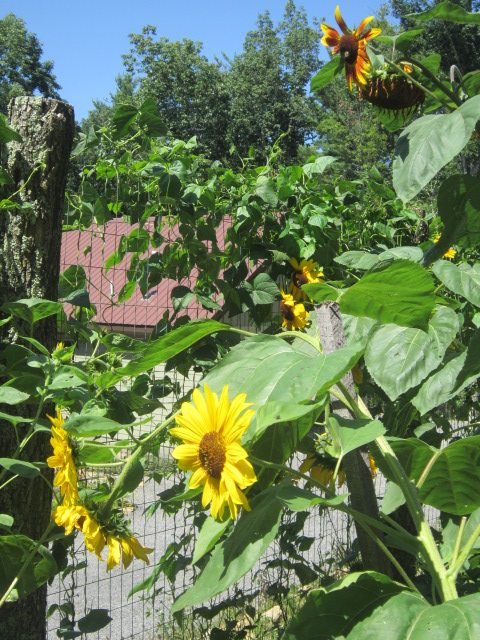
x=257, y=607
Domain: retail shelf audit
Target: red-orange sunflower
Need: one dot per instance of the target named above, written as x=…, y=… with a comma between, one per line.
x=351, y=46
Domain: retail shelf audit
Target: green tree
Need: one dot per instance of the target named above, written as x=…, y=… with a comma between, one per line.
x=189, y=89
x=268, y=85
x=349, y=129
x=22, y=72
x=458, y=44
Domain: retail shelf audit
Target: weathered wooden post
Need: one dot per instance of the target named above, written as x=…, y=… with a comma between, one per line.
x=29, y=267
x=359, y=479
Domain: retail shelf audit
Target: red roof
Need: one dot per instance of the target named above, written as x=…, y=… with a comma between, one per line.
x=92, y=247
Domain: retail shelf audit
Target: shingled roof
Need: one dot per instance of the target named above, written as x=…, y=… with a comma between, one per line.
x=139, y=314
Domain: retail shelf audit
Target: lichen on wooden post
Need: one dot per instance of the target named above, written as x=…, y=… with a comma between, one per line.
x=30, y=240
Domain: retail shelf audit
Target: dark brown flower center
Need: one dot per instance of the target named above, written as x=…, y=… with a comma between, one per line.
x=212, y=454
x=348, y=48
x=287, y=312
x=299, y=278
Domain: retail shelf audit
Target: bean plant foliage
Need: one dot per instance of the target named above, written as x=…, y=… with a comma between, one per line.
x=294, y=240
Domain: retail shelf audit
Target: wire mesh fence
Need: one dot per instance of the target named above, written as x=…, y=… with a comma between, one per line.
x=265, y=598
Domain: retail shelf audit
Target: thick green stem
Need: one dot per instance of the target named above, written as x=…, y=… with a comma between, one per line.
x=136, y=454
x=428, y=546
x=457, y=564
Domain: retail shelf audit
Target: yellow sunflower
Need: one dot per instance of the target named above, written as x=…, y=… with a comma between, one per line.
x=351, y=46
x=450, y=253
x=121, y=546
x=62, y=459
x=211, y=430
x=321, y=468
x=304, y=272
x=294, y=315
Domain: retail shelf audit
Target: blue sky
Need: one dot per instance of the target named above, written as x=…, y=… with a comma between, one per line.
x=87, y=39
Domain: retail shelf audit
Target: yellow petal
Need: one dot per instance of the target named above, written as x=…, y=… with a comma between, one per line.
x=114, y=549
x=362, y=25
x=340, y=21
x=198, y=478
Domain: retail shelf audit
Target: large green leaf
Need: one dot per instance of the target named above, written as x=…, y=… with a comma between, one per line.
x=208, y=536
x=464, y=279
x=297, y=499
x=89, y=425
x=236, y=555
x=408, y=615
x=428, y=144
x=317, y=167
x=450, y=11
x=68, y=377
x=268, y=369
x=265, y=190
x=453, y=477
x=274, y=412
x=14, y=550
x=458, y=203
x=10, y=395
x=331, y=613
x=399, y=358
x=402, y=40
x=6, y=133
x=471, y=82
x=348, y=435
x=32, y=309
x=453, y=481
x=361, y=260
x=451, y=379
x=149, y=117
x=72, y=286
x=20, y=467
x=122, y=118
x=326, y=74
x=162, y=349
x=400, y=292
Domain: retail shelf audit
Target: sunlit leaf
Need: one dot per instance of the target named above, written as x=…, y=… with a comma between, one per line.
x=428, y=144
x=401, y=292
x=331, y=613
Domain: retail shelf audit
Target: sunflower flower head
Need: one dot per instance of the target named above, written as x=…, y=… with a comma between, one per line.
x=321, y=468
x=294, y=315
x=450, y=253
x=62, y=460
x=211, y=429
x=121, y=544
x=304, y=272
x=351, y=45
x=390, y=90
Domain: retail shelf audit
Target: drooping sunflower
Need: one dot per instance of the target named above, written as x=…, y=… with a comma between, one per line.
x=351, y=46
x=304, y=272
x=62, y=459
x=121, y=546
x=211, y=430
x=294, y=314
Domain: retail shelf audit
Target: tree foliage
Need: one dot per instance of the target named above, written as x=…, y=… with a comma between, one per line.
x=458, y=44
x=22, y=71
